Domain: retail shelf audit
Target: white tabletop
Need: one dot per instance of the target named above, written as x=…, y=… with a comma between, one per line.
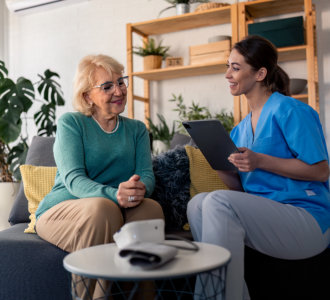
x=100, y=262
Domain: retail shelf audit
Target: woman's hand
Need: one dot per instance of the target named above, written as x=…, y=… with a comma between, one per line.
x=131, y=192
x=246, y=160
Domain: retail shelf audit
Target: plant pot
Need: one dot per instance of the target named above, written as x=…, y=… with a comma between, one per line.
x=8, y=192
x=151, y=62
x=182, y=8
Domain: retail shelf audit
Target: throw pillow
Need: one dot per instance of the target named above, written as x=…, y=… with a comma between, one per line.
x=37, y=182
x=40, y=153
x=202, y=177
x=171, y=171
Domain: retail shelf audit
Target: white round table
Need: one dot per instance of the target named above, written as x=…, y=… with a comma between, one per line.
x=100, y=262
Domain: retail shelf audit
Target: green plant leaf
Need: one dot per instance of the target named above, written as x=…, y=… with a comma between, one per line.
x=3, y=70
x=45, y=119
x=161, y=131
x=15, y=100
x=150, y=48
x=50, y=89
x=17, y=157
x=197, y=112
x=9, y=130
x=19, y=94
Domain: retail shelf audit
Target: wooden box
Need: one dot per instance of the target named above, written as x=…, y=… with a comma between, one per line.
x=209, y=53
x=282, y=33
x=173, y=61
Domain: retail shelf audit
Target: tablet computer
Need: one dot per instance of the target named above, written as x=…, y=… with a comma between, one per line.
x=214, y=142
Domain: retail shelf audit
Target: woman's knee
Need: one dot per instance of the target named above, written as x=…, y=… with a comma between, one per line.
x=194, y=205
x=99, y=208
x=218, y=200
x=148, y=209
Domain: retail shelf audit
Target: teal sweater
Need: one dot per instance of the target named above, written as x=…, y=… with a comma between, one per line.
x=92, y=163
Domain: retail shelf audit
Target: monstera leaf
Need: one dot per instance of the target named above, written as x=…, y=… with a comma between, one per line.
x=17, y=157
x=50, y=89
x=15, y=98
x=51, y=93
x=45, y=119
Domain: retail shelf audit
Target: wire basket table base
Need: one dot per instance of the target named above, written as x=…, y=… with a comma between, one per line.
x=208, y=285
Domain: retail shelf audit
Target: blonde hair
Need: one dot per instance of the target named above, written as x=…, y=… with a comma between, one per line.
x=85, y=78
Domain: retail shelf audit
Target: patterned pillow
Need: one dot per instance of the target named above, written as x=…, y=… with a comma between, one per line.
x=202, y=177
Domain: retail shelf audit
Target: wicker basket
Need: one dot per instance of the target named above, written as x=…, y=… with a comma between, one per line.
x=209, y=5
x=151, y=62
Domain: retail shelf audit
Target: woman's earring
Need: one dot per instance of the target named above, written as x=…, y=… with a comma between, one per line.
x=90, y=104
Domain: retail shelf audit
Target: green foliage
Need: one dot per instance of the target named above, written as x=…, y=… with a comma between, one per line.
x=150, y=48
x=161, y=131
x=226, y=118
x=196, y=112
x=16, y=99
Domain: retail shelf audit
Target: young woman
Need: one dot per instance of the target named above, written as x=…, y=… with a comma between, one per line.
x=279, y=202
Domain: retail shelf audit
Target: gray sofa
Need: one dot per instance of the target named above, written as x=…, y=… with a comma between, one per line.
x=32, y=269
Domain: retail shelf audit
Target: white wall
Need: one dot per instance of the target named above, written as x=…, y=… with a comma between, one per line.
x=57, y=38
x=3, y=31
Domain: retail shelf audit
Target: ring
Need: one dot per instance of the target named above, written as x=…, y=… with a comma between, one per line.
x=130, y=198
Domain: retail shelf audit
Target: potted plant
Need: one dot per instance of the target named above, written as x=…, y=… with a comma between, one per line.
x=152, y=53
x=182, y=6
x=161, y=134
x=16, y=99
x=197, y=112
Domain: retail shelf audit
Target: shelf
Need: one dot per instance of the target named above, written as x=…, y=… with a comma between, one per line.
x=285, y=54
x=292, y=53
x=266, y=8
x=301, y=97
x=182, y=22
x=183, y=71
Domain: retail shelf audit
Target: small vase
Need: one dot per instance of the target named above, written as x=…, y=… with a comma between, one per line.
x=182, y=8
x=8, y=192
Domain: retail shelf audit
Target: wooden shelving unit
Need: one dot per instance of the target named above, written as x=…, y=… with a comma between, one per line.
x=182, y=71
x=217, y=16
x=249, y=11
x=239, y=16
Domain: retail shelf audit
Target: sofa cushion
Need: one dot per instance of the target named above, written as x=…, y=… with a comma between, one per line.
x=171, y=171
x=40, y=153
x=31, y=268
x=202, y=177
x=38, y=182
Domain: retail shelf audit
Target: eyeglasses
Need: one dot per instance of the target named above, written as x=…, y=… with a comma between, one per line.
x=109, y=86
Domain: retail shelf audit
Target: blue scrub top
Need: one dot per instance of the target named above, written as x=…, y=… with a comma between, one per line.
x=287, y=128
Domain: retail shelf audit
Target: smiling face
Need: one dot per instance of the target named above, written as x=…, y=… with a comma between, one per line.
x=240, y=75
x=107, y=104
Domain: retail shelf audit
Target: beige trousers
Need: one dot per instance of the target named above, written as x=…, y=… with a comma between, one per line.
x=75, y=224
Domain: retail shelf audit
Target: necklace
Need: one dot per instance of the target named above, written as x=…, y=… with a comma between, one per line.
x=108, y=132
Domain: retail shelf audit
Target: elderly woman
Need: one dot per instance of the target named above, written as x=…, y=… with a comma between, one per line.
x=104, y=163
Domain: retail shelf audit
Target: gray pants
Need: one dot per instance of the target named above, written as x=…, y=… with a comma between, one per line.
x=234, y=219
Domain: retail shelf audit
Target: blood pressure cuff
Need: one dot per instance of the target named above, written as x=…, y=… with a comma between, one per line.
x=147, y=255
